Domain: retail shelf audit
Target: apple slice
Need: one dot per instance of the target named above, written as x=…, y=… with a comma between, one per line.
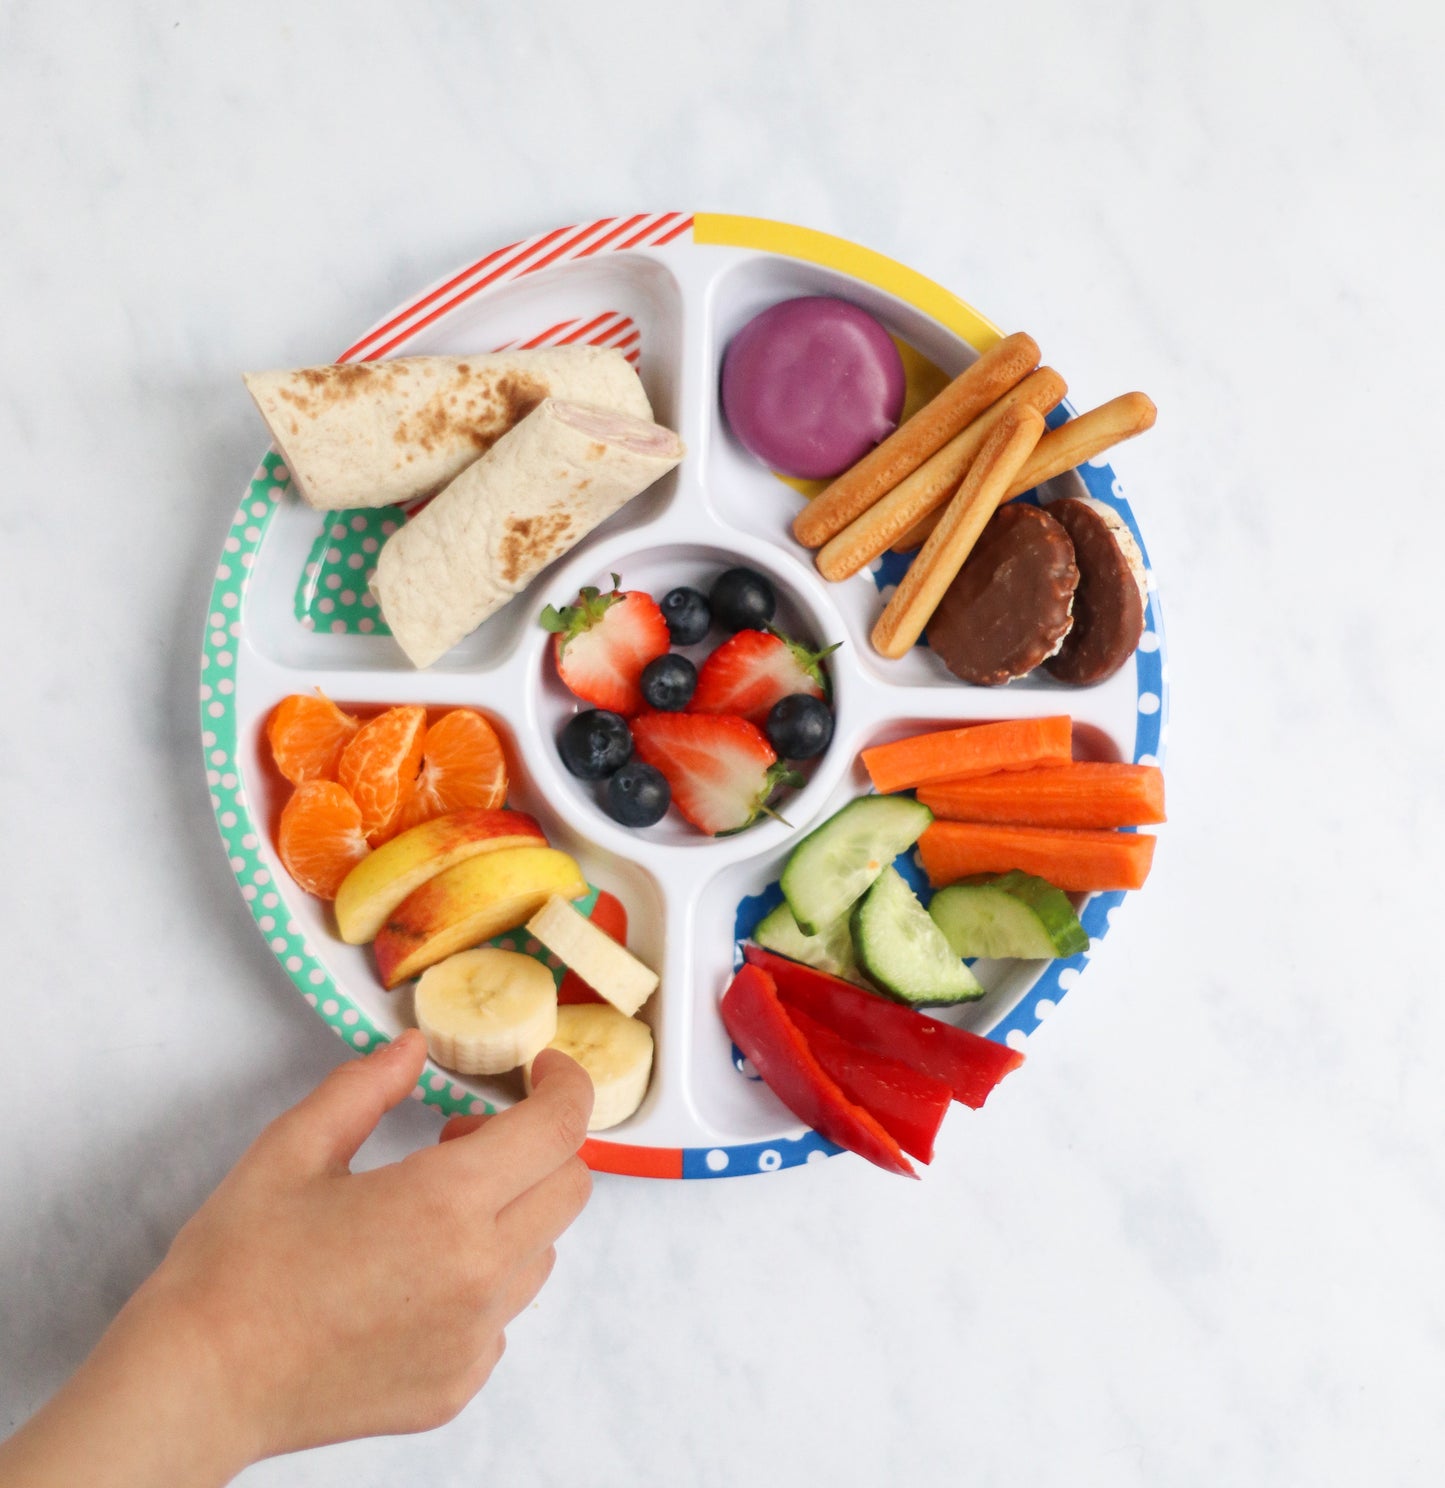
x=382, y=879
x=470, y=903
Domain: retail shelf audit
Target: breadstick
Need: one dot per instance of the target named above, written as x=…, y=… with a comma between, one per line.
x=1084, y=437
x=1066, y=448
x=927, y=490
x=1000, y=368
x=950, y=543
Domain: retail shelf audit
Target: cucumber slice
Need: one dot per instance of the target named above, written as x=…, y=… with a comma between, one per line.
x=1008, y=914
x=832, y=867
x=832, y=951
x=904, y=951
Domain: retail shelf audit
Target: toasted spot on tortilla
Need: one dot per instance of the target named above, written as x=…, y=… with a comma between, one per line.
x=344, y=378
x=528, y=542
x=518, y=396
x=596, y=450
x=480, y=420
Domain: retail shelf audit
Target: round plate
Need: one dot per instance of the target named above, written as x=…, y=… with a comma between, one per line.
x=290, y=611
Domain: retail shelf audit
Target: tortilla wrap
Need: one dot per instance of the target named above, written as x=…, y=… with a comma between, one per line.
x=380, y=433
x=534, y=495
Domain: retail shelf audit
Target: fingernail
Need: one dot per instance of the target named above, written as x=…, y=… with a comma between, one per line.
x=399, y=1044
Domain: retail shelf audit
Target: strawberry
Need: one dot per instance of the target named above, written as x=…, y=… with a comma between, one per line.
x=602, y=643
x=721, y=769
x=752, y=670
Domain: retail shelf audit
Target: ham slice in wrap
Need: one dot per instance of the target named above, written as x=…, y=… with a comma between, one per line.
x=535, y=494
x=380, y=433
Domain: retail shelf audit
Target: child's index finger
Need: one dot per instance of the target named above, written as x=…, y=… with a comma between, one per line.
x=522, y=1145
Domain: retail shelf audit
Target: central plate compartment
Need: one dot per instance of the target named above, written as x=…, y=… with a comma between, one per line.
x=802, y=615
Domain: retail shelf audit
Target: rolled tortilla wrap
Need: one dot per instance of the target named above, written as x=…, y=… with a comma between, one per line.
x=534, y=495
x=379, y=433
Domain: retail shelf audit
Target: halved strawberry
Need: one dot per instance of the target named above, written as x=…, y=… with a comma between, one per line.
x=721, y=769
x=754, y=669
x=603, y=642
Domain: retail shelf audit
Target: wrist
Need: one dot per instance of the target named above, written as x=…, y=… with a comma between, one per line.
x=158, y=1383
x=148, y=1406
x=174, y=1361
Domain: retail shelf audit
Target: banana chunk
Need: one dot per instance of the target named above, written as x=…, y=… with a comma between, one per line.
x=611, y=970
x=486, y=1011
x=616, y=1052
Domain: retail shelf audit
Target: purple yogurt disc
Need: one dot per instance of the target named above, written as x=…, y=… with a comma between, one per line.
x=810, y=385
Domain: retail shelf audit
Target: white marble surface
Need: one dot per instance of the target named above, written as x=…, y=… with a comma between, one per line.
x=1198, y=1240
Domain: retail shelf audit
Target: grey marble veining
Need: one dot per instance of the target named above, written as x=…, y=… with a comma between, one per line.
x=1198, y=1239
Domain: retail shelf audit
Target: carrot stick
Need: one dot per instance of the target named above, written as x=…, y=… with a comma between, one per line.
x=978, y=749
x=1079, y=862
x=1076, y=795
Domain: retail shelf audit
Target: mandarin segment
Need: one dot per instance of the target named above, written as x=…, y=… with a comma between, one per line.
x=462, y=768
x=307, y=733
x=320, y=838
x=379, y=767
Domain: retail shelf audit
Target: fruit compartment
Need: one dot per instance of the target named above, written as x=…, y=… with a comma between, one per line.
x=352, y=967
x=803, y=614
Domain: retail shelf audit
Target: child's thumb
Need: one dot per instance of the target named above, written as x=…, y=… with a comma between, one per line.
x=326, y=1128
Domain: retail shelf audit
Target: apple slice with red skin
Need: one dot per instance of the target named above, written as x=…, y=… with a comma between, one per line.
x=477, y=899
x=382, y=879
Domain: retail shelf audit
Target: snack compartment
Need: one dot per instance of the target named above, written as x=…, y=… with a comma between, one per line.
x=742, y=490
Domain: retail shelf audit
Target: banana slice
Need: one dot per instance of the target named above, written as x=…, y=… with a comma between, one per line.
x=615, y=1050
x=608, y=968
x=486, y=1011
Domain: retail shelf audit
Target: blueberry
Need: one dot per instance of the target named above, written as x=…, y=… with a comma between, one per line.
x=637, y=795
x=799, y=726
x=668, y=683
x=595, y=743
x=742, y=599
x=687, y=614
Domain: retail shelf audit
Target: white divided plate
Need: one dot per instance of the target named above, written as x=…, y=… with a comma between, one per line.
x=290, y=612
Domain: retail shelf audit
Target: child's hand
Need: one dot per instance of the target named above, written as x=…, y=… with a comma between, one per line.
x=305, y=1304
x=363, y=1304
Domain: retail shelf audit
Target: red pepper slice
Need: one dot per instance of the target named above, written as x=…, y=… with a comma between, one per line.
x=607, y=914
x=969, y=1065
x=906, y=1103
x=755, y=1019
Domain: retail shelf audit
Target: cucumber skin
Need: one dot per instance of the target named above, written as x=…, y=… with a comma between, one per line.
x=1049, y=908
x=971, y=988
x=795, y=866
x=779, y=932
